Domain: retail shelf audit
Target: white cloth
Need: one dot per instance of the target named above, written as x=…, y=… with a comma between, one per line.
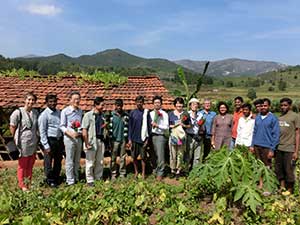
x=245, y=131
x=194, y=129
x=162, y=122
x=144, y=132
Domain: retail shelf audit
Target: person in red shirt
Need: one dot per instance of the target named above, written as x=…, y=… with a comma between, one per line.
x=238, y=113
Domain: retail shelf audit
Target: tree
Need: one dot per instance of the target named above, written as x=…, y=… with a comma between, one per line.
x=229, y=84
x=282, y=85
x=251, y=94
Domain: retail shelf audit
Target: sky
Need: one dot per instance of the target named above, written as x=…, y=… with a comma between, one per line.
x=173, y=29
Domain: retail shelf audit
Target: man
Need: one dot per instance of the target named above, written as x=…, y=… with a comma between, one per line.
x=52, y=140
x=287, y=151
x=265, y=135
x=208, y=117
x=70, y=124
x=245, y=127
x=138, y=134
x=194, y=140
x=238, y=113
x=119, y=134
x=160, y=124
x=93, y=124
x=257, y=103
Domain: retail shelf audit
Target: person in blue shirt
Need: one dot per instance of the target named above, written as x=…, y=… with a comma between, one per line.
x=208, y=116
x=265, y=135
x=52, y=140
x=70, y=124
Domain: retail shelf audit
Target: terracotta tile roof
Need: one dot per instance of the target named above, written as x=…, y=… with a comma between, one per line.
x=12, y=91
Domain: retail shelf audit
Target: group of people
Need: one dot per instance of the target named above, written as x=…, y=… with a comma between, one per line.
x=189, y=135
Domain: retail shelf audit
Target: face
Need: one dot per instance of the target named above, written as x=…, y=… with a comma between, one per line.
x=207, y=105
x=258, y=107
x=75, y=100
x=179, y=107
x=118, y=108
x=246, y=111
x=51, y=103
x=237, y=104
x=29, y=101
x=100, y=107
x=264, y=109
x=284, y=107
x=139, y=104
x=157, y=104
x=223, y=109
x=194, y=106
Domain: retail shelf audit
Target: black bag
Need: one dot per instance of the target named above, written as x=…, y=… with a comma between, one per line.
x=12, y=147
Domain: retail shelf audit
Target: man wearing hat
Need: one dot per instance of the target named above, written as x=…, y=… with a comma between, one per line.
x=194, y=153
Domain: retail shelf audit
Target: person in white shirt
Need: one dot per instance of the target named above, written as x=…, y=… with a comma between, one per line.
x=245, y=127
x=160, y=124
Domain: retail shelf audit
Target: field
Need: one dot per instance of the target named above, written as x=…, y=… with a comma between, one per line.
x=214, y=193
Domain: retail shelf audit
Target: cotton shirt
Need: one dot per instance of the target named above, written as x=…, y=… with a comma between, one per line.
x=194, y=129
x=209, y=118
x=245, y=131
x=162, y=122
x=135, y=125
x=266, y=131
x=288, y=124
x=222, y=126
x=119, y=126
x=49, y=122
x=68, y=116
x=236, y=117
x=27, y=141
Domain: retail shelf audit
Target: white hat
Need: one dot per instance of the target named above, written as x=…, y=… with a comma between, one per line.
x=194, y=100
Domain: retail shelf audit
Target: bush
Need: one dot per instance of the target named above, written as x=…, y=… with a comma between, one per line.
x=251, y=94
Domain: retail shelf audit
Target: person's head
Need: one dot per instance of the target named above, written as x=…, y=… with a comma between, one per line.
x=265, y=107
x=119, y=105
x=194, y=104
x=257, y=103
x=238, y=102
x=30, y=100
x=222, y=108
x=178, y=104
x=246, y=109
x=51, y=100
x=285, y=105
x=75, y=99
x=139, y=101
x=207, y=104
x=157, y=102
x=99, y=104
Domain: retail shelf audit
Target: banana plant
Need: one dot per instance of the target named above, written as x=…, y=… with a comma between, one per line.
x=183, y=80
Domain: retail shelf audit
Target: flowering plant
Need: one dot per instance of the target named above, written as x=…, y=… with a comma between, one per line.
x=201, y=122
x=75, y=125
x=184, y=117
x=157, y=115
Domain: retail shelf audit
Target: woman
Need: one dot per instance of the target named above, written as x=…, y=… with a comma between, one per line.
x=179, y=120
x=24, y=127
x=221, y=129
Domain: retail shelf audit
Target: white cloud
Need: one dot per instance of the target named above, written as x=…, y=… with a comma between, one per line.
x=43, y=9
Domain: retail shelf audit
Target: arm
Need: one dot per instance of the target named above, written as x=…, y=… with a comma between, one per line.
x=64, y=124
x=213, y=130
x=275, y=134
x=14, y=122
x=130, y=121
x=238, y=130
x=297, y=141
x=85, y=127
x=43, y=126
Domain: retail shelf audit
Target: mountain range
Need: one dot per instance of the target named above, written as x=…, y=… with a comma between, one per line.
x=119, y=58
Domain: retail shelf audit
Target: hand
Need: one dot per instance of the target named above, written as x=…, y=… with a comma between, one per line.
x=270, y=154
x=145, y=143
x=154, y=124
x=295, y=156
x=74, y=134
x=47, y=151
x=88, y=146
x=213, y=144
x=129, y=144
x=251, y=149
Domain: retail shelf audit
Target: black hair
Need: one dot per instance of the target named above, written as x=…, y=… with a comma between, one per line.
x=267, y=100
x=98, y=100
x=140, y=98
x=74, y=93
x=178, y=100
x=31, y=94
x=119, y=102
x=247, y=105
x=287, y=100
x=239, y=98
x=50, y=96
x=258, y=102
x=157, y=97
x=222, y=103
